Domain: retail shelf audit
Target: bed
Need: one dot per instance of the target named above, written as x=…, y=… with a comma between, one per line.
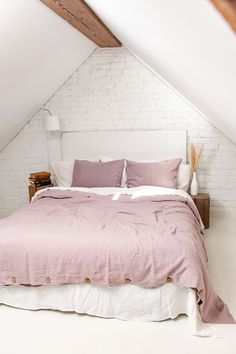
x=130, y=252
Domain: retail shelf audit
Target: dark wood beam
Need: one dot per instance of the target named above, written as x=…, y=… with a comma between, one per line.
x=228, y=9
x=80, y=16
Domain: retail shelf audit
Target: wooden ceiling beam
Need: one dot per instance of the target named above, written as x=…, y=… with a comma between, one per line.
x=228, y=9
x=80, y=16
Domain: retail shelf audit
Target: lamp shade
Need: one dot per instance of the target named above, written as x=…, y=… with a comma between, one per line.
x=52, y=123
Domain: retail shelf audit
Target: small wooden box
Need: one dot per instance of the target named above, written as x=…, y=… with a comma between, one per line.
x=202, y=202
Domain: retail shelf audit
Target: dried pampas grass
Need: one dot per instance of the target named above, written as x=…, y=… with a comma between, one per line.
x=195, y=155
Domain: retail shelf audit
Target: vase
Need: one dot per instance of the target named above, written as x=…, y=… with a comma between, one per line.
x=194, y=184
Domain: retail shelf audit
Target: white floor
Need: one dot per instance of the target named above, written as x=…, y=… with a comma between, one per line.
x=49, y=332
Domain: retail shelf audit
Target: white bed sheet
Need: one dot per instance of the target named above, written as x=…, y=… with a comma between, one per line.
x=135, y=192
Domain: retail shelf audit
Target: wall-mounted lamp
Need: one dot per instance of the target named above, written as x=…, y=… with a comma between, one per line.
x=52, y=122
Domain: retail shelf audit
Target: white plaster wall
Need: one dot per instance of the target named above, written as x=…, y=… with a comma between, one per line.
x=112, y=90
x=39, y=50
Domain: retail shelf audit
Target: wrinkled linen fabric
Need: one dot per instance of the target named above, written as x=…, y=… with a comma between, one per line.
x=125, y=302
x=162, y=174
x=97, y=174
x=68, y=237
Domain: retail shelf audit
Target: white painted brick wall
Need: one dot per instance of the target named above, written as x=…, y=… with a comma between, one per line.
x=112, y=90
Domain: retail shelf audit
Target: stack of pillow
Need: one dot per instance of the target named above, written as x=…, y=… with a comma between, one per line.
x=107, y=172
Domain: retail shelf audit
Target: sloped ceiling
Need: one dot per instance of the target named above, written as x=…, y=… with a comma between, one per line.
x=39, y=51
x=188, y=43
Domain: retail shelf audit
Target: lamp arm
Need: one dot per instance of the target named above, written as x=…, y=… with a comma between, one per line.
x=45, y=109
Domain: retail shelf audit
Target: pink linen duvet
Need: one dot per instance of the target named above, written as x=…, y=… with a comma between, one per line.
x=67, y=237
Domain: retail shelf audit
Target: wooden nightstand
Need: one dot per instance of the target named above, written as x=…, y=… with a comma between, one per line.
x=33, y=190
x=202, y=202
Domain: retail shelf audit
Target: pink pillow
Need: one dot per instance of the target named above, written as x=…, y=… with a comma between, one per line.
x=97, y=174
x=161, y=174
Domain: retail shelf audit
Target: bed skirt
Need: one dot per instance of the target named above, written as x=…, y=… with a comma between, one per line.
x=125, y=302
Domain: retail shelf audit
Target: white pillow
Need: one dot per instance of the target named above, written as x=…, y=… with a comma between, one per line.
x=62, y=171
x=183, y=178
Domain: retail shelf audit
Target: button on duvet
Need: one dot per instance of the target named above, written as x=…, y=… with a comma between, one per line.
x=87, y=280
x=48, y=280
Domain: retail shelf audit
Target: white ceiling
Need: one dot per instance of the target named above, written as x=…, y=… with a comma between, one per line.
x=39, y=51
x=188, y=43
